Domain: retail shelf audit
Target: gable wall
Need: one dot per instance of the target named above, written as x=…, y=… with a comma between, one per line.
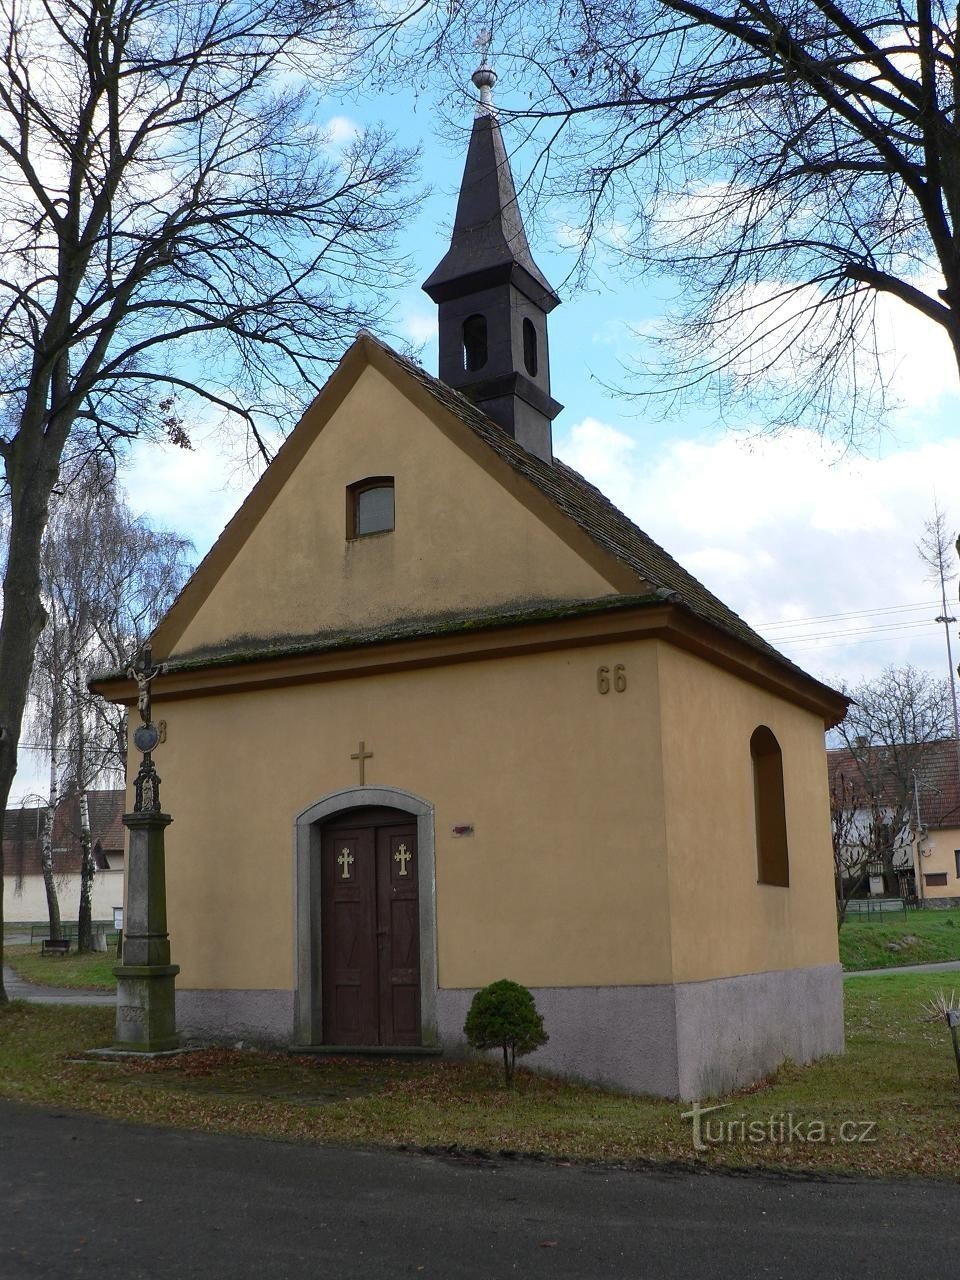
x=462, y=540
x=724, y=922
x=563, y=882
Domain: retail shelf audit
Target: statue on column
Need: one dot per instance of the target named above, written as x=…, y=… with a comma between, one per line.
x=146, y=736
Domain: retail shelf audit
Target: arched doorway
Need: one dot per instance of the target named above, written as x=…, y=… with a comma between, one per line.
x=370, y=928
x=366, y=921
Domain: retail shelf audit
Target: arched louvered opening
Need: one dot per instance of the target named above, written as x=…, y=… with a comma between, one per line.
x=474, y=343
x=530, y=354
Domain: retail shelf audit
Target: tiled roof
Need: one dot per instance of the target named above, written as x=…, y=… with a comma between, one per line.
x=248, y=648
x=596, y=515
x=23, y=833
x=935, y=765
x=658, y=576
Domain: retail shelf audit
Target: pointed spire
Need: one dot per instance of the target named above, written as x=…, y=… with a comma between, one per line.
x=492, y=296
x=489, y=243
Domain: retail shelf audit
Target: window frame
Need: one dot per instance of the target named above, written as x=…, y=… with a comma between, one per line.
x=354, y=492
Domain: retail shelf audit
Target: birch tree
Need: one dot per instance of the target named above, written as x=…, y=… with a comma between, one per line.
x=176, y=230
x=107, y=578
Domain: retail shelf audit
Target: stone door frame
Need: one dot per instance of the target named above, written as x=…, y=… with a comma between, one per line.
x=308, y=997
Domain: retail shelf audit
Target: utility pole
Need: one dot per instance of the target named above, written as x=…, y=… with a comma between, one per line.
x=947, y=619
x=933, y=549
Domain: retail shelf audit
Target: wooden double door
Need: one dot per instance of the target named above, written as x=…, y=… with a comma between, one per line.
x=370, y=929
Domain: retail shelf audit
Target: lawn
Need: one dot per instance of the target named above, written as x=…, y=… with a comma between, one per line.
x=919, y=937
x=91, y=969
x=896, y=1088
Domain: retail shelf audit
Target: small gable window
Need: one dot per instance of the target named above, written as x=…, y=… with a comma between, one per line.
x=474, y=343
x=769, y=810
x=370, y=507
x=530, y=347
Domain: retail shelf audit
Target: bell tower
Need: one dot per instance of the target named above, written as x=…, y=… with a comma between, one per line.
x=493, y=299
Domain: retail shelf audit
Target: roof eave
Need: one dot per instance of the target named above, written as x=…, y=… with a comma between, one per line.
x=650, y=617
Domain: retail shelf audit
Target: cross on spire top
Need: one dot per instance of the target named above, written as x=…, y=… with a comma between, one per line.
x=484, y=78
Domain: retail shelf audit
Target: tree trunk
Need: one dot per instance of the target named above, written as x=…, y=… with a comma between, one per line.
x=46, y=864
x=87, y=872
x=46, y=849
x=31, y=481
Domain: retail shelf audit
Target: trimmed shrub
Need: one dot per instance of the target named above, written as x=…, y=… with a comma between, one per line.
x=504, y=1016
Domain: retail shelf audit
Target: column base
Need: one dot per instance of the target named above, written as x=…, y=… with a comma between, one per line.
x=146, y=1009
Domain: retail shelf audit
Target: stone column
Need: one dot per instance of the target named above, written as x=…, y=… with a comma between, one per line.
x=146, y=1010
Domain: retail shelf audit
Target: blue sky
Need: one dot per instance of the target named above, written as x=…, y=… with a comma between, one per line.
x=783, y=529
x=814, y=547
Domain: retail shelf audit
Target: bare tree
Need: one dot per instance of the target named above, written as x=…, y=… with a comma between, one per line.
x=936, y=549
x=107, y=579
x=886, y=759
x=785, y=163
x=851, y=848
x=176, y=231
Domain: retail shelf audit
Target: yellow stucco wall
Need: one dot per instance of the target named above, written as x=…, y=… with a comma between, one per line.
x=723, y=921
x=939, y=847
x=564, y=881
x=461, y=539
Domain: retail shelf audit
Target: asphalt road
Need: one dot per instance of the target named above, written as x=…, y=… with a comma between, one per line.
x=83, y=1197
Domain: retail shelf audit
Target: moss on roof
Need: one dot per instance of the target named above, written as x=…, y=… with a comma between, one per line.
x=246, y=648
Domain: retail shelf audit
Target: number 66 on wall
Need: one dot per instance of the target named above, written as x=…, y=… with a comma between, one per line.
x=618, y=681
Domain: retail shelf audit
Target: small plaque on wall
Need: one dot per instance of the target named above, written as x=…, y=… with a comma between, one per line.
x=464, y=829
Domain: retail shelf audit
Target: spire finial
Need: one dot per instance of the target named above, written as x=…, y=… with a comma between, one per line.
x=484, y=78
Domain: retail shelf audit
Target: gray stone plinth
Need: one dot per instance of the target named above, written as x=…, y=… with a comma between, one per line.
x=676, y=1040
x=686, y=1040
x=146, y=998
x=259, y=1017
x=146, y=1008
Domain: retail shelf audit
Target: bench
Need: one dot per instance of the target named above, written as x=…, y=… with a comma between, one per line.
x=40, y=931
x=68, y=929
x=54, y=946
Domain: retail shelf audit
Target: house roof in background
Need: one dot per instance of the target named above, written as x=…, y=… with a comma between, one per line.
x=937, y=772
x=23, y=833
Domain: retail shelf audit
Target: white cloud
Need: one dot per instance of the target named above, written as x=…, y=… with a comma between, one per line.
x=340, y=131
x=790, y=528
x=923, y=364
x=420, y=326
x=192, y=491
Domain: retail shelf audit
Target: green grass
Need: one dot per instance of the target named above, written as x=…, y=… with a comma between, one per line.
x=919, y=937
x=898, y=1075
x=89, y=970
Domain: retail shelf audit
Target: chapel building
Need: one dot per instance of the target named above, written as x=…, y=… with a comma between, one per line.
x=437, y=713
